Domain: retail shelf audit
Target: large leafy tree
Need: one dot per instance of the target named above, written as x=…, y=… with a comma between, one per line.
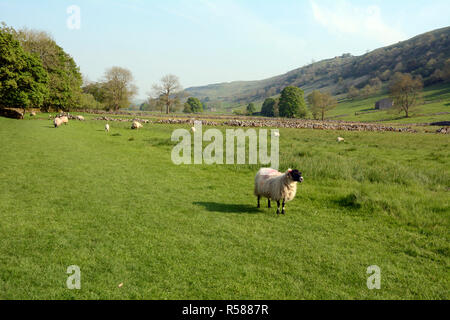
x=251, y=109
x=193, y=105
x=292, y=103
x=64, y=75
x=405, y=91
x=119, y=88
x=23, y=80
x=268, y=107
x=98, y=90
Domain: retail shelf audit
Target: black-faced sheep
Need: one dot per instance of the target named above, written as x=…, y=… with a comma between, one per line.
x=277, y=186
x=57, y=122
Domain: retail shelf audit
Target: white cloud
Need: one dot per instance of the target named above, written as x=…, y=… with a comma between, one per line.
x=345, y=18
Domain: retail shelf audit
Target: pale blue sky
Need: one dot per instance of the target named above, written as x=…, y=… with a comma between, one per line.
x=211, y=41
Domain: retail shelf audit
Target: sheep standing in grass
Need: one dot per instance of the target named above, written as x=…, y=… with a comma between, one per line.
x=277, y=186
x=107, y=127
x=136, y=125
x=57, y=122
x=340, y=139
x=80, y=118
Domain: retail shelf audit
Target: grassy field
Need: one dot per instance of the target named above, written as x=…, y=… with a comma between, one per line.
x=116, y=206
x=436, y=108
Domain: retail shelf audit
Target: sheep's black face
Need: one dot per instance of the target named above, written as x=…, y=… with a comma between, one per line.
x=296, y=175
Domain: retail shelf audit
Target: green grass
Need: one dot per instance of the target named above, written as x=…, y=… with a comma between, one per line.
x=117, y=207
x=437, y=100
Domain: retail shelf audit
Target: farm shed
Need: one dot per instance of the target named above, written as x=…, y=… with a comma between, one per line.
x=384, y=104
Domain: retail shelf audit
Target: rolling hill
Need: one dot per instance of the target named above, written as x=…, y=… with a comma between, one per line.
x=423, y=55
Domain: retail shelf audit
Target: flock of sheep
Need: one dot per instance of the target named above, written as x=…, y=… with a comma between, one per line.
x=269, y=183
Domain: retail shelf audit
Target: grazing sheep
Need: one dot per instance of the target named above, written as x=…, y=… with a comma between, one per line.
x=193, y=129
x=80, y=118
x=57, y=122
x=136, y=125
x=277, y=186
x=340, y=139
x=33, y=114
x=64, y=119
x=107, y=127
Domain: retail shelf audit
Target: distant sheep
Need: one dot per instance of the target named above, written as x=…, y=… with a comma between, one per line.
x=193, y=129
x=277, y=186
x=57, y=122
x=80, y=118
x=107, y=127
x=340, y=139
x=32, y=114
x=136, y=125
x=276, y=134
x=64, y=119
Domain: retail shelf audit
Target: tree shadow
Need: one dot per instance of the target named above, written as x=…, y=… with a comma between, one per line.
x=228, y=208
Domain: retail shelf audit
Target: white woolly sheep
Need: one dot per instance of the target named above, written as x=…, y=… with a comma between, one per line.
x=57, y=122
x=277, y=186
x=193, y=129
x=107, y=127
x=64, y=119
x=136, y=125
x=340, y=139
x=80, y=118
x=32, y=114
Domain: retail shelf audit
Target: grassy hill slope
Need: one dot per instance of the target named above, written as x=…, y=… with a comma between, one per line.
x=421, y=55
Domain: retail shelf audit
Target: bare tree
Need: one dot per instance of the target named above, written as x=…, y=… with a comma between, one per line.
x=168, y=91
x=119, y=87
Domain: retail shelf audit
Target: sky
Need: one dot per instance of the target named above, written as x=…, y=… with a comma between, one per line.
x=214, y=41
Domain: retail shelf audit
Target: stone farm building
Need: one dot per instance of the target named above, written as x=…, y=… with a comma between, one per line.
x=384, y=104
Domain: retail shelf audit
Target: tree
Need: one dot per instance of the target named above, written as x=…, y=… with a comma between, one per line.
x=446, y=71
x=64, y=75
x=268, y=107
x=376, y=84
x=193, y=105
x=367, y=91
x=405, y=92
x=251, y=108
x=167, y=91
x=98, y=90
x=320, y=103
x=353, y=93
x=292, y=103
x=23, y=80
x=119, y=88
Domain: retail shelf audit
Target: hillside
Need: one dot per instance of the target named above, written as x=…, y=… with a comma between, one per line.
x=422, y=55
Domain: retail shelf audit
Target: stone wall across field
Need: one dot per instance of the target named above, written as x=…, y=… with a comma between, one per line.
x=268, y=122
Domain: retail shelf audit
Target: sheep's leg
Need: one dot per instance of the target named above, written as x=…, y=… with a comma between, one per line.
x=283, y=210
x=278, y=207
x=268, y=203
x=259, y=198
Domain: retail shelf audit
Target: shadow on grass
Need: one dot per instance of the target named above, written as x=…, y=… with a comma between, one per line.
x=228, y=208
